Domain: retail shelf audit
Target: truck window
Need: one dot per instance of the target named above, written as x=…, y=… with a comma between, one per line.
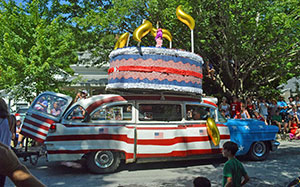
x=160, y=112
x=113, y=113
x=196, y=112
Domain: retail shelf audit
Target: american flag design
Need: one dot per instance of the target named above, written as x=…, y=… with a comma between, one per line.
x=159, y=135
x=103, y=130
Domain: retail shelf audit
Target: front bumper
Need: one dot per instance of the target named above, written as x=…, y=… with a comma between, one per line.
x=274, y=145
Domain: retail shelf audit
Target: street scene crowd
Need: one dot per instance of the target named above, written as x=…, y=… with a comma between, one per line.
x=273, y=111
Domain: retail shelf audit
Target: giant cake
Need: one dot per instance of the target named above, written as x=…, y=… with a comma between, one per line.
x=156, y=69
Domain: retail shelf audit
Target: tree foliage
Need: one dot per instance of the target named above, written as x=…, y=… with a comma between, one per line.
x=252, y=45
x=35, y=53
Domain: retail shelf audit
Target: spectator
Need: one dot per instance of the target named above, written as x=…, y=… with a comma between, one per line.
x=277, y=120
x=210, y=70
x=235, y=107
x=293, y=126
x=297, y=103
x=273, y=108
x=233, y=170
x=201, y=182
x=260, y=117
x=290, y=103
x=12, y=127
x=17, y=172
x=19, y=136
x=283, y=108
x=294, y=112
x=81, y=95
x=225, y=106
x=263, y=108
x=5, y=133
x=250, y=106
x=244, y=112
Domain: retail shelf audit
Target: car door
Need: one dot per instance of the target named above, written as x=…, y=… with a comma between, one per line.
x=160, y=131
x=46, y=109
x=197, y=138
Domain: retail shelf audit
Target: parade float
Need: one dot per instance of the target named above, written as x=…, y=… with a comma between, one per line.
x=156, y=112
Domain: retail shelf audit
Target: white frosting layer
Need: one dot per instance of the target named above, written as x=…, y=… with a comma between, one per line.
x=156, y=51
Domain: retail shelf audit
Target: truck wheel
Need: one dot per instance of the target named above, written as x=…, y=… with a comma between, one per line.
x=103, y=161
x=259, y=151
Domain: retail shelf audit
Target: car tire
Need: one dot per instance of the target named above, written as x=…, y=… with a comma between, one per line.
x=259, y=151
x=101, y=162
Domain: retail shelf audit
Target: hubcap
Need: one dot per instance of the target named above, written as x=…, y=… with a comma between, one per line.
x=259, y=149
x=104, y=159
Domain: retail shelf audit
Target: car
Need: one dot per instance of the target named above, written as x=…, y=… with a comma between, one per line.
x=106, y=129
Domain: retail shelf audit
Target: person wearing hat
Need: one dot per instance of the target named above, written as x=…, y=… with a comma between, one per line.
x=81, y=95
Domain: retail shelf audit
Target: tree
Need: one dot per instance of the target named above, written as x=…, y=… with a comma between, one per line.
x=35, y=53
x=253, y=45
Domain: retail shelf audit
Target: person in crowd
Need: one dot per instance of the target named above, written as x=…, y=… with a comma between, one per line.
x=56, y=111
x=201, y=182
x=12, y=126
x=225, y=106
x=256, y=103
x=250, y=106
x=277, y=120
x=210, y=71
x=234, y=173
x=294, y=112
x=5, y=133
x=235, y=107
x=290, y=103
x=17, y=172
x=282, y=105
x=297, y=102
x=81, y=95
x=244, y=112
x=263, y=108
x=260, y=117
x=41, y=105
x=273, y=108
x=293, y=126
x=19, y=137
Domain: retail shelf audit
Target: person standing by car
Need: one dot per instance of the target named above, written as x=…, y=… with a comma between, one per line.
x=5, y=134
x=233, y=170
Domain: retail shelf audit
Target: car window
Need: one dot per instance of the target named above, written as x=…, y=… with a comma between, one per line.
x=160, y=112
x=78, y=113
x=196, y=112
x=50, y=104
x=113, y=113
x=221, y=118
x=22, y=110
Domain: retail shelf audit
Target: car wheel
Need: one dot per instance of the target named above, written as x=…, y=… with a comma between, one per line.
x=259, y=151
x=103, y=161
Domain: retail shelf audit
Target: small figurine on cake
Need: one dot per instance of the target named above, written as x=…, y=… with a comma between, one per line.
x=159, y=37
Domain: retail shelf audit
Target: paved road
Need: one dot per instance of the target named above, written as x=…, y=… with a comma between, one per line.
x=281, y=167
